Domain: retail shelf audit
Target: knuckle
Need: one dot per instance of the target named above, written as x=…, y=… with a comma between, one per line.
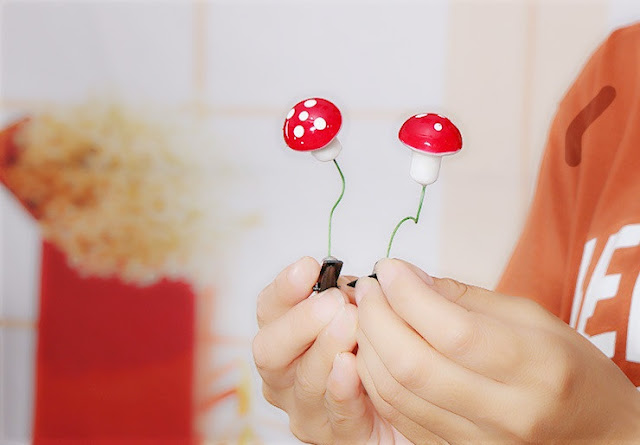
x=390, y=393
x=300, y=430
x=567, y=383
x=297, y=430
x=408, y=372
x=513, y=359
x=261, y=308
x=388, y=412
x=536, y=423
x=382, y=407
x=530, y=428
x=269, y=395
x=531, y=307
x=261, y=356
x=562, y=378
x=463, y=337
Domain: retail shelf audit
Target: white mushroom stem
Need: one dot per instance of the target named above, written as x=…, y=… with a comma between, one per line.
x=329, y=152
x=425, y=167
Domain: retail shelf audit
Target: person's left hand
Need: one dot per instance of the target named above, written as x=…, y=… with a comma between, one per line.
x=470, y=365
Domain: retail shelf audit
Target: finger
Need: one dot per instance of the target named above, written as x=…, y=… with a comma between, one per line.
x=480, y=343
x=514, y=310
x=443, y=423
x=522, y=311
x=350, y=412
x=349, y=291
x=292, y=285
x=314, y=366
x=419, y=367
x=407, y=427
x=279, y=343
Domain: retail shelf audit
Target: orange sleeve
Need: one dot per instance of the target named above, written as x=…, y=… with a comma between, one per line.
x=541, y=265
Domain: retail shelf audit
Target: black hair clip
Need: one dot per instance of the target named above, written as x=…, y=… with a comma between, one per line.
x=329, y=274
x=353, y=283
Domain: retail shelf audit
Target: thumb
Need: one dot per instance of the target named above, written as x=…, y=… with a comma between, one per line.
x=350, y=411
x=465, y=295
x=474, y=298
x=519, y=310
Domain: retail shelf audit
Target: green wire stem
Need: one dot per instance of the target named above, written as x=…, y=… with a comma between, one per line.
x=336, y=204
x=415, y=220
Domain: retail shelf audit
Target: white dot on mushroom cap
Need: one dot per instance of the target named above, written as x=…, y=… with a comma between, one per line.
x=437, y=126
x=291, y=113
x=303, y=116
x=298, y=131
x=310, y=103
x=320, y=123
x=421, y=115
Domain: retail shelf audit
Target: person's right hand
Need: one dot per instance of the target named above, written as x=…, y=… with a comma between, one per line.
x=304, y=353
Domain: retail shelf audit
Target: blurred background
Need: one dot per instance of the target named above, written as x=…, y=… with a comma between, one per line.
x=497, y=68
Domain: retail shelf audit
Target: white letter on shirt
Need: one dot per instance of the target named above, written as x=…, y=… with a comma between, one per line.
x=633, y=328
x=603, y=287
x=587, y=254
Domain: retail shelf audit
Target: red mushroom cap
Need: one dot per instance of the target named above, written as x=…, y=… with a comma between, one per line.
x=311, y=124
x=431, y=133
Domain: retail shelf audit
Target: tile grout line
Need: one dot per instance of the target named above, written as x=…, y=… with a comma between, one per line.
x=531, y=12
x=2, y=352
x=14, y=323
x=199, y=48
x=18, y=105
x=203, y=303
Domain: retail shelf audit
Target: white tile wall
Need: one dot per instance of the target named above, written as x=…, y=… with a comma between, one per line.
x=3, y=397
x=623, y=12
x=364, y=55
x=16, y=386
x=19, y=271
x=20, y=261
x=66, y=50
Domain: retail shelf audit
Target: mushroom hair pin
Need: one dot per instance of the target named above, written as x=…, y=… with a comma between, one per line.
x=430, y=137
x=312, y=125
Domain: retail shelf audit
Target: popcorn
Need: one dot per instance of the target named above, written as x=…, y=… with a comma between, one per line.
x=123, y=191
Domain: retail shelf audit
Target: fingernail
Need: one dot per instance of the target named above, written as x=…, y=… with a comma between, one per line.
x=390, y=268
x=362, y=288
x=382, y=264
x=425, y=277
x=354, y=282
x=295, y=271
x=327, y=304
x=428, y=279
x=386, y=267
x=343, y=324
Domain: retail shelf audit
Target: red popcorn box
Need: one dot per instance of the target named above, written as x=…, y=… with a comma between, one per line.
x=115, y=361
x=116, y=355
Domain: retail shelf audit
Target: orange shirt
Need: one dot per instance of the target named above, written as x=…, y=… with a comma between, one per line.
x=579, y=254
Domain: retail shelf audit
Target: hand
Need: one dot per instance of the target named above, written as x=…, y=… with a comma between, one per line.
x=443, y=361
x=304, y=353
